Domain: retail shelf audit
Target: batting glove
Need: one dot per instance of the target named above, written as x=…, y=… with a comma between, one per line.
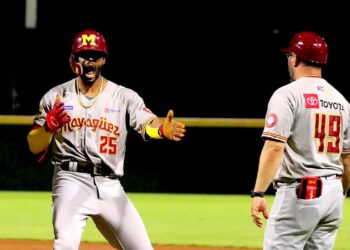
x=56, y=117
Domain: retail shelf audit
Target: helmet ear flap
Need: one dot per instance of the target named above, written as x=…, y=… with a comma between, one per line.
x=75, y=66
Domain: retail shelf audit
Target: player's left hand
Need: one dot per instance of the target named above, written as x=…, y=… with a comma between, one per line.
x=173, y=130
x=259, y=205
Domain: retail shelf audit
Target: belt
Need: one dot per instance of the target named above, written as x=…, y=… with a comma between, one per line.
x=277, y=184
x=331, y=177
x=86, y=167
x=326, y=177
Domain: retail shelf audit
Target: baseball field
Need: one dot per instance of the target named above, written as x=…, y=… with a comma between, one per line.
x=174, y=221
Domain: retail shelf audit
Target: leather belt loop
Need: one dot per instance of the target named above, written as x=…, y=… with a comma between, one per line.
x=96, y=170
x=73, y=166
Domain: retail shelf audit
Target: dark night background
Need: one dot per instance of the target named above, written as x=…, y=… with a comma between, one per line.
x=202, y=60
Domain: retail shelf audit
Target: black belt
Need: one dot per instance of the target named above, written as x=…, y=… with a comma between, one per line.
x=85, y=167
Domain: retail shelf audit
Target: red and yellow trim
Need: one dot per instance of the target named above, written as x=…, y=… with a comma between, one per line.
x=274, y=136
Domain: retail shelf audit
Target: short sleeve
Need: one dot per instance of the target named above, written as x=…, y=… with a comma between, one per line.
x=279, y=117
x=45, y=106
x=140, y=115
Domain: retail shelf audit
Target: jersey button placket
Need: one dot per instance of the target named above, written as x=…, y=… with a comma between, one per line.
x=85, y=129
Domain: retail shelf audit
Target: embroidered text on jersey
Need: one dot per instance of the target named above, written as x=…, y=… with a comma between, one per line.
x=102, y=123
x=332, y=105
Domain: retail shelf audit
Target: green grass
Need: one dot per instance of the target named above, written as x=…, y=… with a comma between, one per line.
x=180, y=219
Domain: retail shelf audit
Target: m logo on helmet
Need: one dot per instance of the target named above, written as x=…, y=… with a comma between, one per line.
x=88, y=40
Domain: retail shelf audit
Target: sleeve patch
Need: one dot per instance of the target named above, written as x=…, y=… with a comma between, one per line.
x=271, y=120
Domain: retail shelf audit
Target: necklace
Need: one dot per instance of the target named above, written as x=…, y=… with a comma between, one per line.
x=93, y=100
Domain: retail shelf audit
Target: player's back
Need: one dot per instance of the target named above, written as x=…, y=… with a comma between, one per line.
x=318, y=124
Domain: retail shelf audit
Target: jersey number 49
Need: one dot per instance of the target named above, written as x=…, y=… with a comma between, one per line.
x=327, y=131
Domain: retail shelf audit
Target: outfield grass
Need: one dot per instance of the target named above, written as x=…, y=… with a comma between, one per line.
x=181, y=219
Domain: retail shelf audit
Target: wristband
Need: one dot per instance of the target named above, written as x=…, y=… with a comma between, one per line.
x=154, y=133
x=257, y=194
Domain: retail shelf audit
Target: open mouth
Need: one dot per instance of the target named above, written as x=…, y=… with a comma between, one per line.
x=89, y=71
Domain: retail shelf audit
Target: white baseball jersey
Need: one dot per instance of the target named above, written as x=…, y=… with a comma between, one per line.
x=312, y=117
x=98, y=133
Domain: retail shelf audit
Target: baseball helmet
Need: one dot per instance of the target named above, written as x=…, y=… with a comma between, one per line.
x=309, y=47
x=83, y=41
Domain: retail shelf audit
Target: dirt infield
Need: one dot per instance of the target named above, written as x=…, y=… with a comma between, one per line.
x=46, y=245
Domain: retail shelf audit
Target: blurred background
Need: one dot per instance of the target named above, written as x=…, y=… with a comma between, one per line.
x=202, y=60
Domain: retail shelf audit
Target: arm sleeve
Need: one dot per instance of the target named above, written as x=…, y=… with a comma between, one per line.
x=140, y=115
x=279, y=117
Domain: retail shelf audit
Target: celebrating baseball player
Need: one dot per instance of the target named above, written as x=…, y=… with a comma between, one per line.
x=305, y=154
x=85, y=122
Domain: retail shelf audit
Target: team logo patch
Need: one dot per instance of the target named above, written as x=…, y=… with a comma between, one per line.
x=111, y=110
x=68, y=107
x=271, y=120
x=311, y=101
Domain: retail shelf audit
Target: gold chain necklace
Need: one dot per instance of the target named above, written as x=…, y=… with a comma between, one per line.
x=93, y=100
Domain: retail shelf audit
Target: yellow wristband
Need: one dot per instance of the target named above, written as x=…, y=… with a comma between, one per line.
x=153, y=132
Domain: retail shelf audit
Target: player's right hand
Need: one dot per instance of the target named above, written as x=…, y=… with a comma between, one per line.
x=259, y=205
x=57, y=116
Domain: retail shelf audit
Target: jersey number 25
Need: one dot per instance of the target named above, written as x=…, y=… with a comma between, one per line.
x=108, y=145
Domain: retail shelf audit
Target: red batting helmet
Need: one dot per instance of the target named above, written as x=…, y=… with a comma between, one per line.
x=89, y=40
x=308, y=46
x=86, y=40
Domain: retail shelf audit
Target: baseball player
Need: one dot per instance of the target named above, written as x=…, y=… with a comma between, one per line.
x=85, y=122
x=305, y=154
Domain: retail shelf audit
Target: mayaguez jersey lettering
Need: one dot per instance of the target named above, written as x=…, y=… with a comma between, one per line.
x=79, y=123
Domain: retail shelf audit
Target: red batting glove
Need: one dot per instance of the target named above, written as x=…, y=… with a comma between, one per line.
x=56, y=117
